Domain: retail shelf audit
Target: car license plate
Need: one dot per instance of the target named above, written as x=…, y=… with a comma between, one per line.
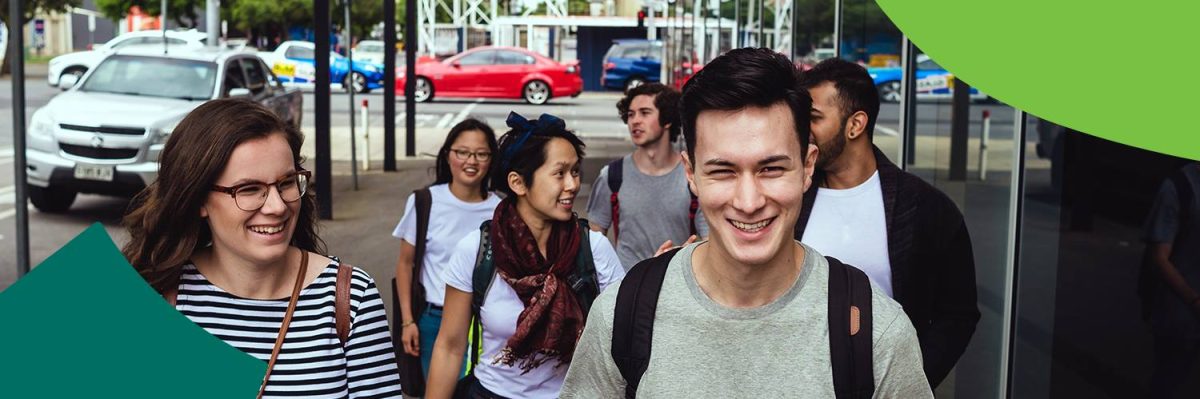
x=94, y=172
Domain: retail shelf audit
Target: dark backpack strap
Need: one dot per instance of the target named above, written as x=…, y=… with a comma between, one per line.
x=1183, y=189
x=850, y=351
x=481, y=282
x=584, y=282
x=424, y=202
x=341, y=301
x=633, y=318
x=615, y=175
x=693, y=208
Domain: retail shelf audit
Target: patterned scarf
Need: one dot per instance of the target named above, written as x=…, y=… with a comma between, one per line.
x=552, y=320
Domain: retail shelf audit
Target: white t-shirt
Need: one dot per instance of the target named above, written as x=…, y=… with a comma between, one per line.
x=850, y=225
x=499, y=316
x=449, y=219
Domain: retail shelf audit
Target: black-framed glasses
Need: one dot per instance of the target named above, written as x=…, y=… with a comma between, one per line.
x=252, y=196
x=463, y=155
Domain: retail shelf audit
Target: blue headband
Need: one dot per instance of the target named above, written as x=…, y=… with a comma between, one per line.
x=517, y=122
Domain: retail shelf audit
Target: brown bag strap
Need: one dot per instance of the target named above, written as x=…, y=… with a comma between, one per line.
x=287, y=319
x=341, y=301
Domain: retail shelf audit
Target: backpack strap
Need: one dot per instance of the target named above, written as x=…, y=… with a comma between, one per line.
x=481, y=282
x=633, y=318
x=341, y=301
x=584, y=282
x=850, y=332
x=615, y=175
x=1183, y=189
x=424, y=202
x=693, y=208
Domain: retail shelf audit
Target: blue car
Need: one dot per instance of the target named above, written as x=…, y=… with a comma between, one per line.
x=933, y=82
x=294, y=65
x=631, y=62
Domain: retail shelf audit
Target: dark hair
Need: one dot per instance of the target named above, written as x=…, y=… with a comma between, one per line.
x=164, y=223
x=530, y=155
x=743, y=78
x=443, y=156
x=855, y=89
x=666, y=100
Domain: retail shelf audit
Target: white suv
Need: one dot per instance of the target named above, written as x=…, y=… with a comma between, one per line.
x=78, y=63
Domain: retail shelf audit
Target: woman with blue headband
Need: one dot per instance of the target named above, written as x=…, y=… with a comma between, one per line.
x=527, y=278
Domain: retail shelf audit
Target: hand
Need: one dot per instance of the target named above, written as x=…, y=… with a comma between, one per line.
x=410, y=337
x=667, y=246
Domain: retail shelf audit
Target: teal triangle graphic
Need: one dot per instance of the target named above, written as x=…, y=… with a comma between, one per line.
x=84, y=324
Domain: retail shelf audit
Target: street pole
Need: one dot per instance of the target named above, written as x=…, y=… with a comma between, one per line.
x=163, y=15
x=349, y=83
x=212, y=20
x=321, y=22
x=410, y=78
x=837, y=28
x=389, y=85
x=17, y=60
x=737, y=23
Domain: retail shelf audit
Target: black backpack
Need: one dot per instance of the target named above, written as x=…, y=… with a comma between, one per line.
x=1149, y=280
x=412, y=377
x=849, y=325
x=583, y=281
x=615, y=177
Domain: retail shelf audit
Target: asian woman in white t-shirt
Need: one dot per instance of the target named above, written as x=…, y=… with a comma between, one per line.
x=535, y=241
x=461, y=201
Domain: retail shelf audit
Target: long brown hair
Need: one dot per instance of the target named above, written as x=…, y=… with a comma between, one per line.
x=164, y=223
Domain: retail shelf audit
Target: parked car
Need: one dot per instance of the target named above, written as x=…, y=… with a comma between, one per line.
x=631, y=62
x=295, y=65
x=369, y=51
x=78, y=63
x=104, y=134
x=494, y=72
x=933, y=82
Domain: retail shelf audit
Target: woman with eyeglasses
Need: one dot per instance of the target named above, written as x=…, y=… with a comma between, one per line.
x=459, y=202
x=227, y=234
x=528, y=276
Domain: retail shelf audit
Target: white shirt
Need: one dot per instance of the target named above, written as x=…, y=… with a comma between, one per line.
x=499, y=317
x=850, y=225
x=449, y=219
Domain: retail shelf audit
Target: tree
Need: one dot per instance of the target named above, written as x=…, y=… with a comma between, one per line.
x=31, y=7
x=183, y=12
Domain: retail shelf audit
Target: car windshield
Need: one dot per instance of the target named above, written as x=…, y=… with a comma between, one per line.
x=153, y=77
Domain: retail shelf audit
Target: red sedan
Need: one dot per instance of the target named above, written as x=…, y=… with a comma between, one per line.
x=495, y=72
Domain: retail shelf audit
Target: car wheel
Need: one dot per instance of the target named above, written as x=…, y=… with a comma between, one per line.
x=359, y=83
x=536, y=92
x=890, y=92
x=423, y=91
x=634, y=82
x=51, y=200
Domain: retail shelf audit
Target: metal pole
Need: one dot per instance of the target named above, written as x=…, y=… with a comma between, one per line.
x=389, y=85
x=737, y=23
x=212, y=20
x=959, y=116
x=908, y=103
x=985, y=134
x=366, y=121
x=321, y=20
x=16, y=34
x=761, y=19
x=410, y=78
x=837, y=28
x=163, y=16
x=350, y=89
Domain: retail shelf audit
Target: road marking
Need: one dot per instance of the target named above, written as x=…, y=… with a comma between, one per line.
x=465, y=111
x=887, y=131
x=445, y=120
x=12, y=212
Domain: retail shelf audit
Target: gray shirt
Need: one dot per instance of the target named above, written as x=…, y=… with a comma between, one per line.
x=1171, y=315
x=703, y=349
x=653, y=209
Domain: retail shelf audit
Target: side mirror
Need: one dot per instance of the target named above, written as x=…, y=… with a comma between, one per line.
x=239, y=92
x=456, y=64
x=66, y=82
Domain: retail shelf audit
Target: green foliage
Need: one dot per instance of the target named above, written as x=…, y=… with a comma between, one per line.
x=183, y=12
x=33, y=6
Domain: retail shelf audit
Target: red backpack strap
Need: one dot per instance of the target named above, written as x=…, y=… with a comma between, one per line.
x=341, y=301
x=614, y=186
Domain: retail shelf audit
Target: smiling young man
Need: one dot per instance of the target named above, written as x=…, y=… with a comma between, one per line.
x=750, y=312
x=652, y=204
x=908, y=237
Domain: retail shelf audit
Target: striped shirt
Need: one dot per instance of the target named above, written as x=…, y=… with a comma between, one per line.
x=313, y=363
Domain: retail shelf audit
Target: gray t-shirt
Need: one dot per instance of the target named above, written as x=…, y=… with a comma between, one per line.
x=1171, y=315
x=653, y=209
x=703, y=349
